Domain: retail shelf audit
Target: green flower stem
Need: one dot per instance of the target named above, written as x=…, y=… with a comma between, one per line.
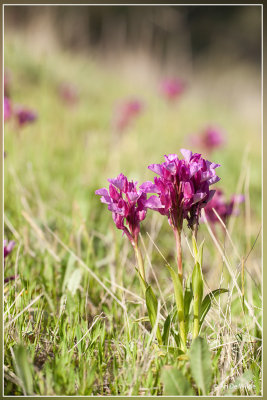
x=177, y=235
x=140, y=262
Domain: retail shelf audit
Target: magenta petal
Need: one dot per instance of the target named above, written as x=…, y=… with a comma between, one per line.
x=187, y=154
x=211, y=194
x=114, y=208
x=171, y=157
x=133, y=196
x=102, y=192
x=119, y=182
x=213, y=180
x=188, y=190
x=149, y=187
x=157, y=168
x=171, y=167
x=198, y=197
x=153, y=202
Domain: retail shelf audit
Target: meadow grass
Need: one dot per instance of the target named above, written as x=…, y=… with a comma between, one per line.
x=75, y=320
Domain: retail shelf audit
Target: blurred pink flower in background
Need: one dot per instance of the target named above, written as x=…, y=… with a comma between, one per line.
x=172, y=88
x=7, y=108
x=222, y=207
x=8, y=247
x=68, y=93
x=126, y=112
x=209, y=139
x=24, y=115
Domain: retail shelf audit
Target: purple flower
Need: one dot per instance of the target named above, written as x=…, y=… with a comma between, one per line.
x=127, y=204
x=24, y=115
x=183, y=187
x=126, y=112
x=7, y=108
x=223, y=208
x=209, y=139
x=172, y=88
x=8, y=247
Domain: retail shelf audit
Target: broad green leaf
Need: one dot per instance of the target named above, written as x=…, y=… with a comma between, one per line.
x=206, y=303
x=23, y=368
x=152, y=309
x=166, y=330
x=200, y=363
x=175, y=383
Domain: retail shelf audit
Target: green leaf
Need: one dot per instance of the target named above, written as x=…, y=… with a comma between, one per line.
x=178, y=293
x=197, y=282
x=74, y=281
x=200, y=252
x=69, y=269
x=175, y=383
x=195, y=249
x=142, y=282
x=206, y=303
x=200, y=363
x=166, y=330
x=188, y=295
x=23, y=368
x=152, y=309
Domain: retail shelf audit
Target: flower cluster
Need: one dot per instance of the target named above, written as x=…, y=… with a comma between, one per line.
x=222, y=207
x=126, y=112
x=127, y=203
x=172, y=88
x=183, y=187
x=209, y=139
